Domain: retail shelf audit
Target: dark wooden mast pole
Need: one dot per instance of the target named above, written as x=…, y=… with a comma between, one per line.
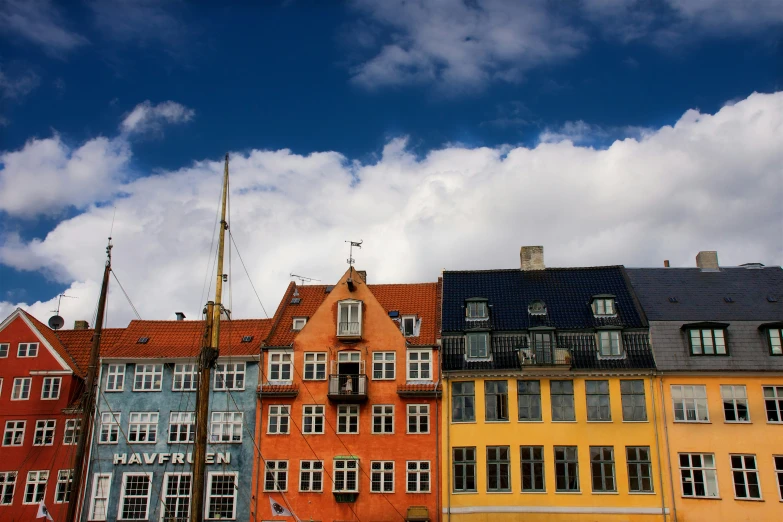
x=88, y=400
x=206, y=361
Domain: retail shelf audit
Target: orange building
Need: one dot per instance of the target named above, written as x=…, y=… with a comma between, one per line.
x=349, y=406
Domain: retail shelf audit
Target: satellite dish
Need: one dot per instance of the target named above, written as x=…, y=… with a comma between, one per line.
x=56, y=322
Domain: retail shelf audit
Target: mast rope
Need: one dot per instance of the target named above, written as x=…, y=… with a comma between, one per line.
x=231, y=236
x=113, y=273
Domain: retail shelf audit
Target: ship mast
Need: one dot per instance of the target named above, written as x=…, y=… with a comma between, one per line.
x=206, y=361
x=88, y=400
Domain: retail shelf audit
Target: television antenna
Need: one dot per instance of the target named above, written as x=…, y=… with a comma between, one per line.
x=302, y=279
x=357, y=244
x=56, y=322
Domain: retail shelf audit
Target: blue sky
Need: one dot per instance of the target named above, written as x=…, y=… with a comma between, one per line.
x=353, y=79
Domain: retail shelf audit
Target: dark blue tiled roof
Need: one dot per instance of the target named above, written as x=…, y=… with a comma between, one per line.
x=567, y=293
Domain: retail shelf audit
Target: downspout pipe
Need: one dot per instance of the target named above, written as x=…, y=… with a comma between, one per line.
x=658, y=448
x=668, y=449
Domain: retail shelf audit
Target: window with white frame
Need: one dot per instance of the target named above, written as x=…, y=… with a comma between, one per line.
x=699, y=478
x=222, y=496
x=418, y=418
x=182, y=427
x=346, y=475
x=35, y=489
x=476, y=310
x=175, y=497
x=610, y=343
x=115, y=377
x=419, y=365
x=185, y=377
x=690, y=403
x=773, y=402
x=383, y=418
x=312, y=419
x=639, y=469
x=44, y=432
x=281, y=367
x=62, y=492
x=778, y=461
x=27, y=350
x=299, y=323
x=418, y=476
x=408, y=325
x=230, y=376
x=746, y=477
x=347, y=418
x=276, y=475
x=7, y=487
x=135, y=496
x=382, y=476
x=311, y=476
x=278, y=419
x=478, y=345
x=735, y=403
x=143, y=427
x=149, y=377
x=14, y=433
x=349, y=322
x=21, y=391
x=603, y=306
x=51, y=388
x=775, y=336
x=383, y=366
x=99, y=500
x=72, y=431
x=315, y=366
x=4, y=350
x=707, y=341
x=226, y=426
x=110, y=428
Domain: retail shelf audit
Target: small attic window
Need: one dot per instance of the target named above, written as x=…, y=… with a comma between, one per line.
x=247, y=338
x=603, y=306
x=299, y=323
x=673, y=300
x=537, y=307
x=409, y=325
x=476, y=308
x=328, y=289
x=728, y=299
x=772, y=299
x=296, y=300
x=394, y=314
x=143, y=340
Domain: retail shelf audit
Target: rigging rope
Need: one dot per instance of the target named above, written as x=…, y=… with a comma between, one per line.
x=126, y=295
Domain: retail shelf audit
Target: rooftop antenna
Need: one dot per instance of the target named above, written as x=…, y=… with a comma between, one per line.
x=357, y=244
x=302, y=279
x=56, y=321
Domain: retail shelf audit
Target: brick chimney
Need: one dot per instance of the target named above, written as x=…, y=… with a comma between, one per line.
x=531, y=257
x=707, y=260
x=81, y=325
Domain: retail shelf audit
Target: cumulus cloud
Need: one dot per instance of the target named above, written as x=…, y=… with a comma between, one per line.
x=709, y=181
x=146, y=117
x=40, y=22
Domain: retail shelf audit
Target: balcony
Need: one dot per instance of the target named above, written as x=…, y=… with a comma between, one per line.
x=348, y=388
x=349, y=329
x=544, y=356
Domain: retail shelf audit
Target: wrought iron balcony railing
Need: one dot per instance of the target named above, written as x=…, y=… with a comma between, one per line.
x=348, y=387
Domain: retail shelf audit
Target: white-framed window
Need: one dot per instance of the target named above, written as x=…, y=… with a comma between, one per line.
x=777, y=460
x=419, y=365
x=735, y=403
x=185, y=377
x=773, y=403
x=135, y=496
x=175, y=496
x=312, y=419
x=44, y=432
x=690, y=403
x=315, y=366
x=276, y=475
x=408, y=325
x=346, y=475
x=418, y=418
x=182, y=427
x=115, y=377
x=349, y=318
x=707, y=341
x=382, y=476
x=299, y=323
x=226, y=426
x=73, y=427
x=746, y=477
x=383, y=418
x=476, y=310
x=418, y=480
x=603, y=306
x=51, y=388
x=281, y=366
x=35, y=488
x=143, y=427
x=775, y=336
x=478, y=345
x=278, y=419
x=610, y=343
x=7, y=487
x=222, y=495
x=148, y=377
x=230, y=376
x=62, y=492
x=311, y=476
x=14, y=433
x=384, y=366
x=27, y=350
x=99, y=500
x=110, y=428
x=348, y=418
x=21, y=391
x=4, y=350
x=697, y=471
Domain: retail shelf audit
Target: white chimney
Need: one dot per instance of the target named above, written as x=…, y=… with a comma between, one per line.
x=531, y=257
x=707, y=260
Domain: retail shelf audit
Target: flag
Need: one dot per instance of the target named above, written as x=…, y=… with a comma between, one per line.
x=278, y=510
x=43, y=512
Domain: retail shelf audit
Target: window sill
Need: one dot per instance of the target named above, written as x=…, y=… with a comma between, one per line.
x=373, y=433
x=693, y=422
x=568, y=492
x=418, y=492
x=463, y=422
x=606, y=492
x=564, y=422
x=636, y=421
x=499, y=492
x=703, y=498
x=273, y=434
x=501, y=421
x=749, y=499
x=373, y=379
x=470, y=493
x=599, y=421
x=147, y=391
x=533, y=492
x=540, y=421
x=641, y=493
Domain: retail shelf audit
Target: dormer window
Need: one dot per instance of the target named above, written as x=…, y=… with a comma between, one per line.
x=610, y=343
x=349, y=318
x=299, y=323
x=707, y=338
x=537, y=308
x=603, y=306
x=476, y=309
x=774, y=337
x=478, y=345
x=408, y=325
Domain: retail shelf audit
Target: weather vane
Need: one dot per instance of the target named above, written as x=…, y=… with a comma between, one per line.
x=357, y=244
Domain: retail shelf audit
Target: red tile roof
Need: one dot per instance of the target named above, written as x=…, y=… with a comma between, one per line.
x=180, y=339
x=310, y=296
x=420, y=299
x=279, y=389
x=419, y=388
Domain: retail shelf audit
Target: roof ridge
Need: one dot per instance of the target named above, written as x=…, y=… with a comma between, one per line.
x=553, y=268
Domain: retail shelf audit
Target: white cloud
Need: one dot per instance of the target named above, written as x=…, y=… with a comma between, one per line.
x=40, y=22
x=18, y=86
x=706, y=182
x=146, y=117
